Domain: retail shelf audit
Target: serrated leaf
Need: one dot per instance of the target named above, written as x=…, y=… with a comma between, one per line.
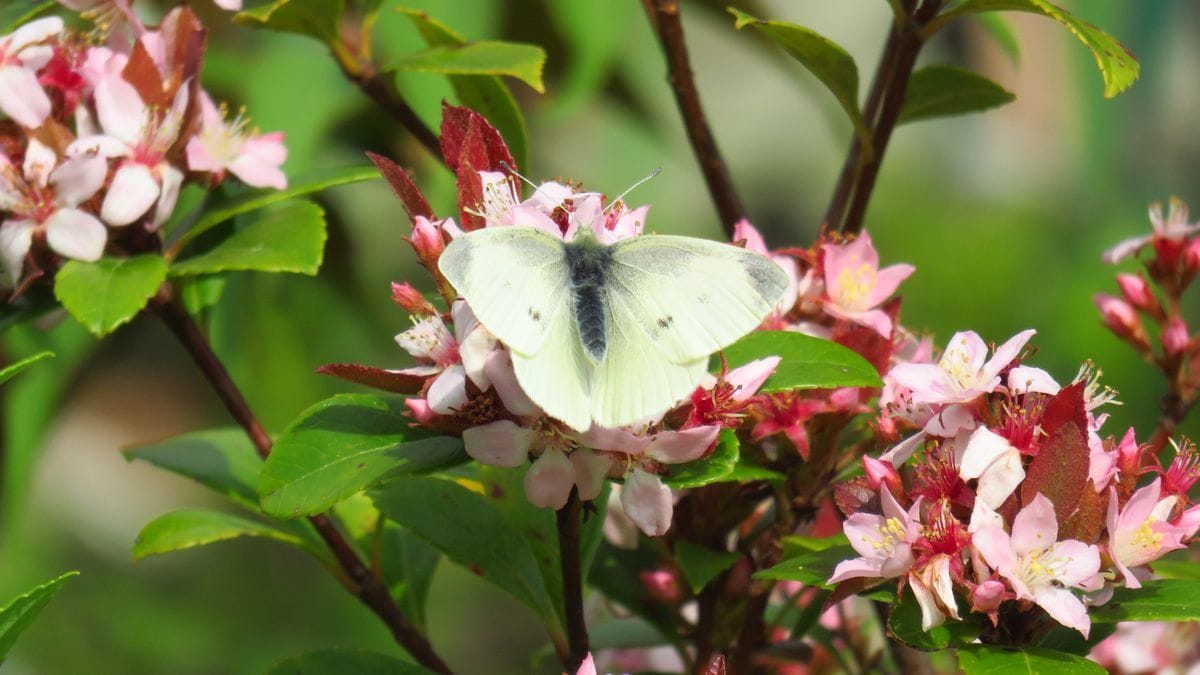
x=20, y=612
x=343, y=661
x=904, y=624
x=813, y=568
x=109, y=292
x=939, y=90
x=988, y=660
x=288, y=237
x=469, y=530
x=314, y=18
x=1117, y=66
x=7, y=372
x=230, y=207
x=188, y=528
x=711, y=469
x=825, y=59
x=14, y=13
x=344, y=445
x=520, y=61
x=1157, y=600
x=701, y=565
x=486, y=94
x=807, y=362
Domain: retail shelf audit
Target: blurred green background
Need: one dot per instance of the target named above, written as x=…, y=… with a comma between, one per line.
x=1004, y=214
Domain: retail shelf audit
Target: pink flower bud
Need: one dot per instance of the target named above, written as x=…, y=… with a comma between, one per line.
x=1129, y=454
x=427, y=239
x=1191, y=257
x=987, y=596
x=411, y=299
x=662, y=585
x=1175, y=337
x=1136, y=291
x=881, y=473
x=1121, y=318
x=420, y=410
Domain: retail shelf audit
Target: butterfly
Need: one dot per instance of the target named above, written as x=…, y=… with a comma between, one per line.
x=611, y=334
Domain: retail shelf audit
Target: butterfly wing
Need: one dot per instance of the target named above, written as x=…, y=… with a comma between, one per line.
x=558, y=377
x=515, y=279
x=692, y=297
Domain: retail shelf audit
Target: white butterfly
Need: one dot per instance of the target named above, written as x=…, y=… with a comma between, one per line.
x=611, y=334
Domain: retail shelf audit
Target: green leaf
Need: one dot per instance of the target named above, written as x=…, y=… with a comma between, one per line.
x=288, y=237
x=1158, y=600
x=701, y=565
x=712, y=469
x=20, y=612
x=825, y=59
x=1177, y=568
x=188, y=528
x=807, y=362
x=314, y=18
x=472, y=532
x=1063, y=639
x=615, y=574
x=938, y=91
x=1001, y=31
x=408, y=564
x=485, y=94
x=813, y=568
x=201, y=293
x=230, y=207
x=1117, y=66
x=904, y=624
x=988, y=660
x=222, y=460
x=33, y=303
x=523, y=62
x=17, y=12
x=109, y=292
x=344, y=445
x=343, y=661
x=798, y=544
x=7, y=372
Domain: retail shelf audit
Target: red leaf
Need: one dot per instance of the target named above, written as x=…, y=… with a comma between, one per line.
x=1066, y=406
x=1059, y=471
x=855, y=495
x=141, y=72
x=378, y=378
x=1088, y=520
x=470, y=145
x=406, y=190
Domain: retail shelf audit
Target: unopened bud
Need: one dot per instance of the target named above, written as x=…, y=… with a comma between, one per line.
x=1129, y=454
x=1191, y=257
x=662, y=585
x=881, y=473
x=427, y=239
x=987, y=596
x=1175, y=337
x=1121, y=319
x=411, y=300
x=1136, y=291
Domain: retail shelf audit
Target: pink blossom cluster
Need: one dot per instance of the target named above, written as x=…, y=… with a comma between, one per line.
x=467, y=385
x=1150, y=647
x=97, y=141
x=1007, y=493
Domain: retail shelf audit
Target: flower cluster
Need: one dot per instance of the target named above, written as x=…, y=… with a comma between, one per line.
x=97, y=141
x=1012, y=496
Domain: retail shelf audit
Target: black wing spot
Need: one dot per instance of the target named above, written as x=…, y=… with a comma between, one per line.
x=534, y=314
x=666, y=321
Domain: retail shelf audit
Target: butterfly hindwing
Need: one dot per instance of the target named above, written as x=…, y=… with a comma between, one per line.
x=515, y=279
x=559, y=377
x=692, y=297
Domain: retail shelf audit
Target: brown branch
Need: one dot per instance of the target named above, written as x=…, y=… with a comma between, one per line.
x=569, y=555
x=664, y=16
x=369, y=588
x=380, y=87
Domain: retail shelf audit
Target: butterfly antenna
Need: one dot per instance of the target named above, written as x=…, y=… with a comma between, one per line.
x=634, y=187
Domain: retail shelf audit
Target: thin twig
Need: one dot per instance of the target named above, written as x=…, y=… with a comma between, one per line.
x=664, y=16
x=370, y=589
x=569, y=555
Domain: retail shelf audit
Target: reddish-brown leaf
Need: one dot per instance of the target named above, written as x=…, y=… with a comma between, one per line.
x=875, y=348
x=141, y=72
x=378, y=378
x=402, y=185
x=1059, y=471
x=1088, y=520
x=183, y=37
x=1066, y=406
x=855, y=495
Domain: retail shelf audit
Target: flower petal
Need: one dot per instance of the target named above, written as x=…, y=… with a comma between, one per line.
x=675, y=447
x=76, y=234
x=647, y=502
x=78, y=178
x=549, y=481
x=591, y=468
x=1036, y=527
x=448, y=392
x=22, y=98
x=16, y=236
x=121, y=111
x=1062, y=605
x=132, y=193
x=501, y=443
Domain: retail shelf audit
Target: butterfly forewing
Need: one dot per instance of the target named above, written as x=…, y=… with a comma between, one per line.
x=559, y=376
x=692, y=297
x=515, y=279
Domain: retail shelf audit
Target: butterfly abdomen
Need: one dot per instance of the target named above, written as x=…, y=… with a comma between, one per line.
x=588, y=265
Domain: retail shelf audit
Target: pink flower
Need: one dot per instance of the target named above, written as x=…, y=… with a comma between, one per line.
x=1038, y=566
x=933, y=587
x=141, y=135
x=588, y=667
x=1175, y=336
x=1140, y=533
x=1174, y=227
x=557, y=209
x=995, y=462
x=1136, y=291
x=221, y=146
x=964, y=371
x=22, y=53
x=43, y=197
x=855, y=284
x=884, y=542
x=647, y=502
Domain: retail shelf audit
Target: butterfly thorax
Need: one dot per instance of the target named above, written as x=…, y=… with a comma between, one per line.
x=588, y=262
